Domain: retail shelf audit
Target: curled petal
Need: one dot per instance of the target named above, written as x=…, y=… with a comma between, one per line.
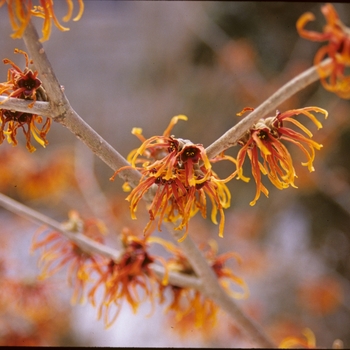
x=173, y=121
x=306, y=112
x=307, y=34
x=81, y=11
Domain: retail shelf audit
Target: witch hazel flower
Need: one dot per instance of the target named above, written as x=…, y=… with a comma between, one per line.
x=334, y=76
x=23, y=85
x=181, y=175
x=127, y=279
x=264, y=145
x=190, y=306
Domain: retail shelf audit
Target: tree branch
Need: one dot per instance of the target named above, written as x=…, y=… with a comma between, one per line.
x=88, y=245
x=18, y=104
x=207, y=282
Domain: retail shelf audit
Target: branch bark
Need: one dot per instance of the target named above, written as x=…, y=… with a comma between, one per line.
x=17, y=104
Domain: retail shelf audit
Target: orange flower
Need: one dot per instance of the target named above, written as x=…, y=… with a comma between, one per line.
x=20, y=12
x=14, y=338
x=59, y=252
x=224, y=273
x=265, y=138
x=190, y=305
x=192, y=309
x=30, y=294
x=39, y=178
x=181, y=174
x=23, y=85
x=333, y=75
x=27, y=122
x=123, y=279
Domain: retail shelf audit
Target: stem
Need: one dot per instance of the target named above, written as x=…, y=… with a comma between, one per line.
x=39, y=108
x=298, y=83
x=84, y=242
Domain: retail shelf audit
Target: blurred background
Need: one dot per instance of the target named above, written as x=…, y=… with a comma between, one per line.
x=139, y=63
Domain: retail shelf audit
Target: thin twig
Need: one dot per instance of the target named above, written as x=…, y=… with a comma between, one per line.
x=84, y=242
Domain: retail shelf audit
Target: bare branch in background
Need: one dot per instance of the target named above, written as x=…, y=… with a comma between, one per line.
x=87, y=244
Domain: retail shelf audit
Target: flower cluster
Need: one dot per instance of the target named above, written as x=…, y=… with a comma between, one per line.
x=178, y=174
x=183, y=179
x=107, y=283
x=265, y=137
x=124, y=278
x=23, y=85
x=333, y=75
x=21, y=11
